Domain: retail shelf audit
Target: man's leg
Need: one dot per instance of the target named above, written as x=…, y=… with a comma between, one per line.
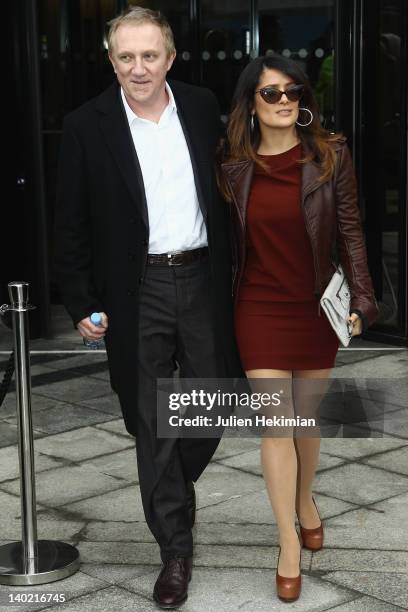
x=161, y=478
x=196, y=352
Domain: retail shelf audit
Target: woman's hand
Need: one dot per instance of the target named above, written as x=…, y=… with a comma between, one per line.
x=356, y=323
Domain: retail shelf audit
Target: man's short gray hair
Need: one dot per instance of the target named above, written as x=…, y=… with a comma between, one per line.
x=137, y=15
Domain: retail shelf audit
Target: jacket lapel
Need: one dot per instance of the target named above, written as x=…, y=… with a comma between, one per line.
x=310, y=177
x=116, y=131
x=239, y=178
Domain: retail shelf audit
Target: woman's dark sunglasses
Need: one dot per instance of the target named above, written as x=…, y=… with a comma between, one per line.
x=271, y=95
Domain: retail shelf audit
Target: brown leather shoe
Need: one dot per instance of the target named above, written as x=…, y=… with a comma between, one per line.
x=312, y=538
x=288, y=589
x=171, y=587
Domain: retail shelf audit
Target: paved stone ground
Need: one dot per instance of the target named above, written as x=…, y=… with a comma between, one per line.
x=87, y=494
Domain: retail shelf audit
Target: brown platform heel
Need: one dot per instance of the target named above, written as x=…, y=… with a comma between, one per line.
x=312, y=538
x=288, y=589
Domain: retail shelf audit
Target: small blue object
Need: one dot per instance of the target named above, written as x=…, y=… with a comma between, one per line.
x=96, y=319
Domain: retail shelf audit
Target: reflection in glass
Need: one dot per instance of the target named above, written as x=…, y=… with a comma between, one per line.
x=225, y=46
x=388, y=91
x=303, y=31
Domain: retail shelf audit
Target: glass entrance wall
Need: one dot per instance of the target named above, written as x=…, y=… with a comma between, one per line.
x=383, y=156
x=225, y=46
x=74, y=67
x=74, y=63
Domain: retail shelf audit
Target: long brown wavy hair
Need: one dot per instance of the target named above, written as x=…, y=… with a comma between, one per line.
x=241, y=143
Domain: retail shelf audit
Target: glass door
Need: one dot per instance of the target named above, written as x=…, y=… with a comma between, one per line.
x=383, y=157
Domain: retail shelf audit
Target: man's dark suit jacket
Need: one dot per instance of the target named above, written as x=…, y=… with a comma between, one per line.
x=102, y=227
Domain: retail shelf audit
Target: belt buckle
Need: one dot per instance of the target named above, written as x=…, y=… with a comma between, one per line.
x=172, y=258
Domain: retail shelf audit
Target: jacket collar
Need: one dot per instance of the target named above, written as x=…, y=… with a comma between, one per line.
x=239, y=177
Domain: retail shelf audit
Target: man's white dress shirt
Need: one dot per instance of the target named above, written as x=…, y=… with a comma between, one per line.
x=175, y=219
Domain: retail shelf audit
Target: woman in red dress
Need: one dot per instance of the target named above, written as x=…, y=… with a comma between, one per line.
x=293, y=200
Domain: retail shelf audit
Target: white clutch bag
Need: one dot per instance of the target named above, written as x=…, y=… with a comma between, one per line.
x=335, y=302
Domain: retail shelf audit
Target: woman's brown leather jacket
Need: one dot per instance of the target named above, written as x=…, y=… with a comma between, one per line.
x=333, y=223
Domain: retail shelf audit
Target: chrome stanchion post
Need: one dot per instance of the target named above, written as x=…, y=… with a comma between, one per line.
x=19, y=301
x=30, y=561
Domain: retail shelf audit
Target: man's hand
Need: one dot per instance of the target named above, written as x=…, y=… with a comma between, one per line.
x=356, y=323
x=93, y=332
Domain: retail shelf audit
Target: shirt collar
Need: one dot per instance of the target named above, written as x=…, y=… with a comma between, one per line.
x=131, y=115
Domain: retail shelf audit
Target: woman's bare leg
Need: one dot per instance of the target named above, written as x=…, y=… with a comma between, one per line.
x=279, y=466
x=308, y=449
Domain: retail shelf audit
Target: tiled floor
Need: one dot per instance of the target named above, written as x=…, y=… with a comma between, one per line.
x=87, y=493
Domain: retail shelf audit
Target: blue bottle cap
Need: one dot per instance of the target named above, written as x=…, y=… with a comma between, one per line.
x=96, y=318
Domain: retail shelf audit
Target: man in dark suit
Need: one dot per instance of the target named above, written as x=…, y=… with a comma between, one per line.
x=143, y=238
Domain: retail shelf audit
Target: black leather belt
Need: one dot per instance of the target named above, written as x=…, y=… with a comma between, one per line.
x=178, y=258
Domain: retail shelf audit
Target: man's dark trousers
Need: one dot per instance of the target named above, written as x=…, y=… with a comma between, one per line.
x=175, y=325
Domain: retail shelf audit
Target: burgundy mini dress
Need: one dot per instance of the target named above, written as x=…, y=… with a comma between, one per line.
x=278, y=322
